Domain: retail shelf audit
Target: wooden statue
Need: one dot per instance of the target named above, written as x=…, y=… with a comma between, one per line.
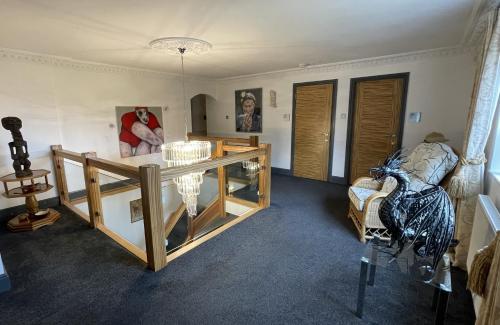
x=18, y=147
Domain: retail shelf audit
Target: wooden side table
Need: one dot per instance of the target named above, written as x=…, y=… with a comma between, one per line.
x=33, y=218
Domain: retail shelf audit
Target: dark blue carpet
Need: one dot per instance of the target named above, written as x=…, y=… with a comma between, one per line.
x=296, y=262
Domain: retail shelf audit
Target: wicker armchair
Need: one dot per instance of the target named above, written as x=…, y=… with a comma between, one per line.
x=363, y=208
x=366, y=194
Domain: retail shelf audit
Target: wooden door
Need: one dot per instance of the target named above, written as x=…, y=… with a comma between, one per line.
x=312, y=125
x=377, y=123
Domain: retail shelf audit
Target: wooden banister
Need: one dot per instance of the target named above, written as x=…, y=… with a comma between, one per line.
x=71, y=155
x=60, y=173
x=91, y=176
x=115, y=168
x=265, y=176
x=152, y=210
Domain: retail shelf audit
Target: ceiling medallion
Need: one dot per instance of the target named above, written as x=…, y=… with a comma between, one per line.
x=172, y=45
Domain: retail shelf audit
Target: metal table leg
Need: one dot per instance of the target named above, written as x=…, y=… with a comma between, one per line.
x=363, y=274
x=442, y=306
x=435, y=299
x=373, y=263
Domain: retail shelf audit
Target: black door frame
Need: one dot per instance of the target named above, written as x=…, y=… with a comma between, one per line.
x=352, y=110
x=330, y=178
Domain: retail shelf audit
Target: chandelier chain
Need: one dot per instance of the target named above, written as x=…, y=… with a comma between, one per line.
x=181, y=51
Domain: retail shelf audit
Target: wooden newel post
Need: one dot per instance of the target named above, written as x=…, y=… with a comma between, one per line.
x=59, y=173
x=254, y=142
x=221, y=176
x=154, y=231
x=265, y=176
x=92, y=187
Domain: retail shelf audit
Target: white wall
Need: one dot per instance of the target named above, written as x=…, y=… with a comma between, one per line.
x=72, y=103
x=440, y=86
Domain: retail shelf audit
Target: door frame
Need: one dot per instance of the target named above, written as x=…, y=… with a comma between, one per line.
x=330, y=178
x=352, y=110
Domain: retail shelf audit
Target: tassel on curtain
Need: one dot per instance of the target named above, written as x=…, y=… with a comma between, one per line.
x=480, y=269
x=489, y=284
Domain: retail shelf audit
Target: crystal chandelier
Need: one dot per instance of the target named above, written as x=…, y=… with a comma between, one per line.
x=252, y=168
x=182, y=153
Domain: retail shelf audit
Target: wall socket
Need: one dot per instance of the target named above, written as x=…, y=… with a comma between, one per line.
x=343, y=116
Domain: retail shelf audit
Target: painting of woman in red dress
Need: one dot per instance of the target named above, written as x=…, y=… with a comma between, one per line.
x=140, y=131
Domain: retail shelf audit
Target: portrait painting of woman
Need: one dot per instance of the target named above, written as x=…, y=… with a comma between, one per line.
x=249, y=110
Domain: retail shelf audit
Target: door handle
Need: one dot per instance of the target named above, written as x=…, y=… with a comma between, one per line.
x=393, y=139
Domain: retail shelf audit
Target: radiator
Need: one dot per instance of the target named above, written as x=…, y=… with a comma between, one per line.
x=486, y=225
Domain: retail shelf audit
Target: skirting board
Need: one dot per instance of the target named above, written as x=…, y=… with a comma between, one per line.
x=287, y=172
x=280, y=171
x=337, y=180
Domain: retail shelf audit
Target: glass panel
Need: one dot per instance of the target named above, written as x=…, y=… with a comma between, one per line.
x=75, y=180
x=122, y=207
x=183, y=229
x=377, y=253
x=110, y=182
x=178, y=222
x=243, y=183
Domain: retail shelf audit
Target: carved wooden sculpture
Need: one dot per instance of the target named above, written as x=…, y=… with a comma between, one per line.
x=18, y=147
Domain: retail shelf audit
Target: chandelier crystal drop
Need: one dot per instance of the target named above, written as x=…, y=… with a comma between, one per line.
x=252, y=170
x=171, y=45
x=252, y=167
x=183, y=153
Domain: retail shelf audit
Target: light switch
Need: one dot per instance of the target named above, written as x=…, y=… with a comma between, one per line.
x=343, y=116
x=415, y=117
x=286, y=117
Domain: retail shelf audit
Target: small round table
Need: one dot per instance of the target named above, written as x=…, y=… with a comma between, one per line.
x=33, y=218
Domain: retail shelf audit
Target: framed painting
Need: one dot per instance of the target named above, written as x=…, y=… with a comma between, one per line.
x=248, y=107
x=140, y=130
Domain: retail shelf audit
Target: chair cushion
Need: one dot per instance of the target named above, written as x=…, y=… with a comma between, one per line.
x=418, y=185
x=430, y=162
x=358, y=196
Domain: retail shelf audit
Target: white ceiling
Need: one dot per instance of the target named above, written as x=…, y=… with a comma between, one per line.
x=247, y=36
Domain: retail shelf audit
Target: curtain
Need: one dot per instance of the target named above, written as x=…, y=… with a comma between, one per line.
x=467, y=182
x=489, y=313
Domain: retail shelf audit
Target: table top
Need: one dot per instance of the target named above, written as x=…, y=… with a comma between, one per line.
x=12, y=177
x=418, y=268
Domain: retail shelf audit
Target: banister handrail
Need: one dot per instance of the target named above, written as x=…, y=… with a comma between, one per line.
x=172, y=172
x=71, y=155
x=251, y=140
x=115, y=168
x=229, y=148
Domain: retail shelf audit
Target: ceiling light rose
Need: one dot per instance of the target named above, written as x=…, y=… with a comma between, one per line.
x=173, y=45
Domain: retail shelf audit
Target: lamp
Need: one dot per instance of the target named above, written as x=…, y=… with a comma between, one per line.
x=182, y=153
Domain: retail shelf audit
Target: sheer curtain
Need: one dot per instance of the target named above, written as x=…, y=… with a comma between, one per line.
x=467, y=182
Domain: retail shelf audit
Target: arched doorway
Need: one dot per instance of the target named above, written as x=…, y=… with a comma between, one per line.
x=199, y=114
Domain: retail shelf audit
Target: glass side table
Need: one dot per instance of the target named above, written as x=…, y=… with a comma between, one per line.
x=417, y=268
